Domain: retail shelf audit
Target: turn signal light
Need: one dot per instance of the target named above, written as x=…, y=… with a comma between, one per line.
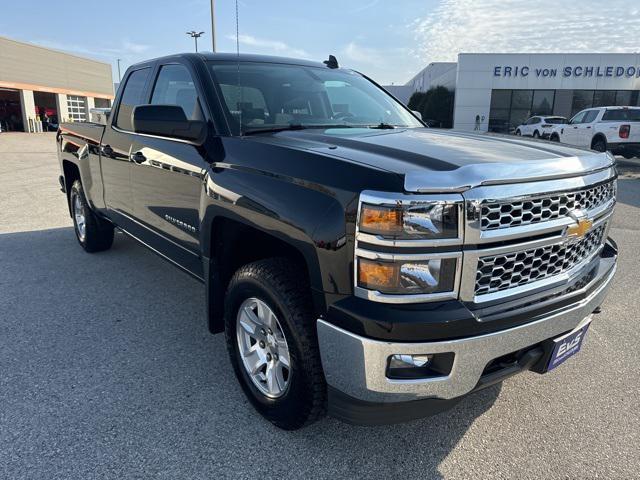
x=387, y=220
x=377, y=276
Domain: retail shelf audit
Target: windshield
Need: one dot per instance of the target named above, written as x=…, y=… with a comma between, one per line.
x=267, y=96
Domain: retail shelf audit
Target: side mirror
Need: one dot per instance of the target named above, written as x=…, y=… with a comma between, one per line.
x=166, y=121
x=417, y=114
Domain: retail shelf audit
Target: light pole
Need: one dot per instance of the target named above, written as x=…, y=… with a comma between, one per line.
x=195, y=35
x=119, y=76
x=213, y=26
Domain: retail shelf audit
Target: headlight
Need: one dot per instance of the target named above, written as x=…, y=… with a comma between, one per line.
x=424, y=220
x=408, y=248
x=435, y=275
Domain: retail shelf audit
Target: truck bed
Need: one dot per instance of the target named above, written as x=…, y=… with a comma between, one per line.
x=91, y=132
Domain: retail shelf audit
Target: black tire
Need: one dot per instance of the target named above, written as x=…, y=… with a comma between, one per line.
x=281, y=285
x=536, y=134
x=555, y=137
x=518, y=133
x=628, y=156
x=98, y=233
x=599, y=145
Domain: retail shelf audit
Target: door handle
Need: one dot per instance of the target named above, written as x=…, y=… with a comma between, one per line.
x=588, y=127
x=138, y=157
x=575, y=128
x=107, y=150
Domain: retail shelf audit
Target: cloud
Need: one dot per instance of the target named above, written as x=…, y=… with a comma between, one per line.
x=470, y=26
x=270, y=46
x=125, y=49
x=366, y=6
x=385, y=65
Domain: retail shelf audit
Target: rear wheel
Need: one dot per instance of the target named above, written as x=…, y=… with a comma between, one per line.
x=93, y=233
x=628, y=156
x=536, y=134
x=518, y=133
x=272, y=342
x=555, y=137
x=599, y=145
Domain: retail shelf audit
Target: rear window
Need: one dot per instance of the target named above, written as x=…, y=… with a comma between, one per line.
x=622, y=115
x=555, y=120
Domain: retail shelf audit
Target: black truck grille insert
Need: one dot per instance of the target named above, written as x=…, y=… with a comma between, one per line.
x=496, y=215
x=513, y=269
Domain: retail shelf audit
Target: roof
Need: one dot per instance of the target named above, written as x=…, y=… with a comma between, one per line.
x=243, y=57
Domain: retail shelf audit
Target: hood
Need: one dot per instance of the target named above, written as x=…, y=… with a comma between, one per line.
x=437, y=160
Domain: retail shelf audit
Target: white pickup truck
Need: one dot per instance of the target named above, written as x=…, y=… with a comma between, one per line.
x=614, y=129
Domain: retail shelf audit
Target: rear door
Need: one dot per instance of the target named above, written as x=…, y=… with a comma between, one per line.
x=168, y=174
x=116, y=148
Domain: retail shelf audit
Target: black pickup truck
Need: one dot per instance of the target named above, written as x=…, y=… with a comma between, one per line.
x=356, y=260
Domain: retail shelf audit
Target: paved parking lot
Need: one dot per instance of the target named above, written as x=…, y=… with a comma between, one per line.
x=107, y=371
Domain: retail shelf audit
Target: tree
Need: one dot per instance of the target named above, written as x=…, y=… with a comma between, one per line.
x=435, y=105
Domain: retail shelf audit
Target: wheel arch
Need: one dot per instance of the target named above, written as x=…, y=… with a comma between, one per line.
x=599, y=136
x=71, y=174
x=234, y=243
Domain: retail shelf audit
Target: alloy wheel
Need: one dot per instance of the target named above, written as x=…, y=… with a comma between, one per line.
x=263, y=348
x=80, y=218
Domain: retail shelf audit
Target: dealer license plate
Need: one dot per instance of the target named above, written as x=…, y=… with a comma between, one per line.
x=567, y=345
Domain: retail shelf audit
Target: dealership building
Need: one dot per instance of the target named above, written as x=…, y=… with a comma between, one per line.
x=40, y=87
x=497, y=92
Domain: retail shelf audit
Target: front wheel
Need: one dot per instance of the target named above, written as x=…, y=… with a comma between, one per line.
x=93, y=233
x=599, y=145
x=272, y=342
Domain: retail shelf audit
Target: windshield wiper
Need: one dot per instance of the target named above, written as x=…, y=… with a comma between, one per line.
x=282, y=128
x=294, y=126
x=382, y=126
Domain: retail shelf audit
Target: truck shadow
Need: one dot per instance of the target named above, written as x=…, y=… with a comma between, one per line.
x=112, y=349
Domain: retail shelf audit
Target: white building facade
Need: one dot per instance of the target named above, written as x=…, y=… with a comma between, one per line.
x=497, y=92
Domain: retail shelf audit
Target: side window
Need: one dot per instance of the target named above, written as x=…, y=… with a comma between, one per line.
x=578, y=118
x=590, y=116
x=174, y=86
x=131, y=97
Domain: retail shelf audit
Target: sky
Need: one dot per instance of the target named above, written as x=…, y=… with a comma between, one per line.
x=389, y=40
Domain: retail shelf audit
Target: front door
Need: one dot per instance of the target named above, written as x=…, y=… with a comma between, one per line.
x=570, y=131
x=167, y=175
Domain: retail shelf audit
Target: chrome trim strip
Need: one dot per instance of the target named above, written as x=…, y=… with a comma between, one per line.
x=475, y=175
x=357, y=365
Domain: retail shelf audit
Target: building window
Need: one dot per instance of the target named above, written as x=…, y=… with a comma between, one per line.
x=510, y=108
x=102, y=102
x=77, y=108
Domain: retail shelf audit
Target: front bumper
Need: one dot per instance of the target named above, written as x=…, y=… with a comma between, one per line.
x=355, y=366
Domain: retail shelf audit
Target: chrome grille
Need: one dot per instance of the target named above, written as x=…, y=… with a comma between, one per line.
x=504, y=271
x=495, y=215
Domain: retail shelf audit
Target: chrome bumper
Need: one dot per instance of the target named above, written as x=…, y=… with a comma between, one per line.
x=357, y=365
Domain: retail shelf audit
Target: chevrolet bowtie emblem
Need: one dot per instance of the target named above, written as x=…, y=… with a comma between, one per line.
x=580, y=229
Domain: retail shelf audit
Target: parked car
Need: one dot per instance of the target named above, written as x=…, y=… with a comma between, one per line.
x=613, y=129
x=356, y=261
x=539, y=126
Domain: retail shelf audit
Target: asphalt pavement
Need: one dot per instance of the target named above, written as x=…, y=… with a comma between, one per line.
x=107, y=370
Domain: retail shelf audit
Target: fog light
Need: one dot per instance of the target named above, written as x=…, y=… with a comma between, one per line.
x=408, y=367
x=409, y=361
